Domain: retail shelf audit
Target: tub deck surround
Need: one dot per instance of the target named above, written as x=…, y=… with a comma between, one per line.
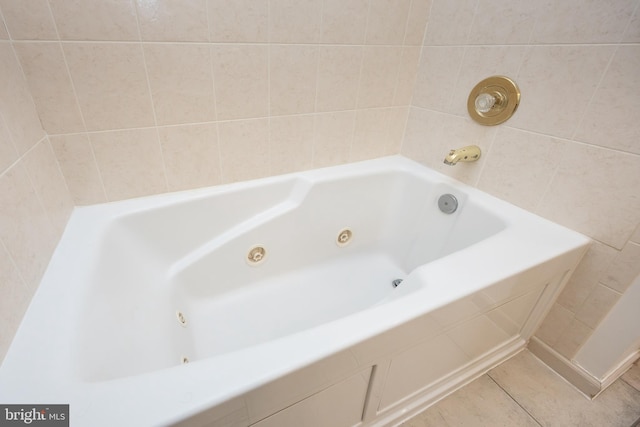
x=314, y=324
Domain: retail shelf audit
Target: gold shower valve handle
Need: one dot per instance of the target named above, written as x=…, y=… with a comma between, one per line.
x=485, y=102
x=493, y=100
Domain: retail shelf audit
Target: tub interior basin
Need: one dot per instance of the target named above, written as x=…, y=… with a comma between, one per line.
x=178, y=273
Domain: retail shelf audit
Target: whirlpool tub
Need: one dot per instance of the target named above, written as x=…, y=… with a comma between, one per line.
x=349, y=296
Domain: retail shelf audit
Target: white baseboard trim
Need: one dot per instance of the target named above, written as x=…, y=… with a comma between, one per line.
x=617, y=372
x=574, y=374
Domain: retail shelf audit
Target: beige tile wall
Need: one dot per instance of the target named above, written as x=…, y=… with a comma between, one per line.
x=122, y=87
x=104, y=100
x=34, y=201
x=571, y=153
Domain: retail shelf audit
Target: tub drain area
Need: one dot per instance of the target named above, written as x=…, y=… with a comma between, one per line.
x=396, y=283
x=266, y=312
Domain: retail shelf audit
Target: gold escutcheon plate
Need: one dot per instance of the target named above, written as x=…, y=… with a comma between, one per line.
x=508, y=95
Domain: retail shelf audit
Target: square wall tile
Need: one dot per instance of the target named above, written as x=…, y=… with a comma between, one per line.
x=290, y=144
x=379, y=76
x=16, y=105
x=238, y=21
x=181, y=81
x=95, y=20
x=586, y=191
x=387, y=21
x=130, y=163
x=333, y=137
x=167, y=20
x=636, y=235
x=437, y=76
x=592, y=21
x=14, y=302
x=49, y=183
x=292, y=79
x=624, y=268
x=4, y=35
x=597, y=305
x=398, y=117
x=241, y=81
x=607, y=121
x=573, y=71
x=585, y=278
x=521, y=180
x=79, y=167
x=191, y=155
x=503, y=22
x=295, y=21
x=554, y=324
x=8, y=153
x=344, y=21
x=417, y=145
x=25, y=229
x=378, y=133
x=111, y=84
x=244, y=149
x=417, y=22
x=48, y=78
x=338, y=77
x=449, y=22
x=407, y=74
x=632, y=34
x=28, y=19
x=572, y=338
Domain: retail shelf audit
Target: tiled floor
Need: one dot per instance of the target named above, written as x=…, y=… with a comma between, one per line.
x=523, y=391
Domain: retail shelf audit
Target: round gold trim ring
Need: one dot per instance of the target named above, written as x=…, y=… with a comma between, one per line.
x=507, y=97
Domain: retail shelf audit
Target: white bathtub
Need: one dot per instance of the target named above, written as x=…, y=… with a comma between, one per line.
x=315, y=331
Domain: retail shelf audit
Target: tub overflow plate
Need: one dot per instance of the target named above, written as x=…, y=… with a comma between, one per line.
x=448, y=203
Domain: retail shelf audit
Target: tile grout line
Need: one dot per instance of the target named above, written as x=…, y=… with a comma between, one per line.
x=212, y=58
x=153, y=105
x=359, y=88
x=587, y=106
x=515, y=400
x=550, y=135
x=80, y=112
x=315, y=96
x=636, y=364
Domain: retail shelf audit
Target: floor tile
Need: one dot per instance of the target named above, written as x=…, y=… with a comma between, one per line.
x=632, y=376
x=554, y=402
x=481, y=403
x=429, y=418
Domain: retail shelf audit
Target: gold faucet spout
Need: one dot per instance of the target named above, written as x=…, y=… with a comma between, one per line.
x=470, y=153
